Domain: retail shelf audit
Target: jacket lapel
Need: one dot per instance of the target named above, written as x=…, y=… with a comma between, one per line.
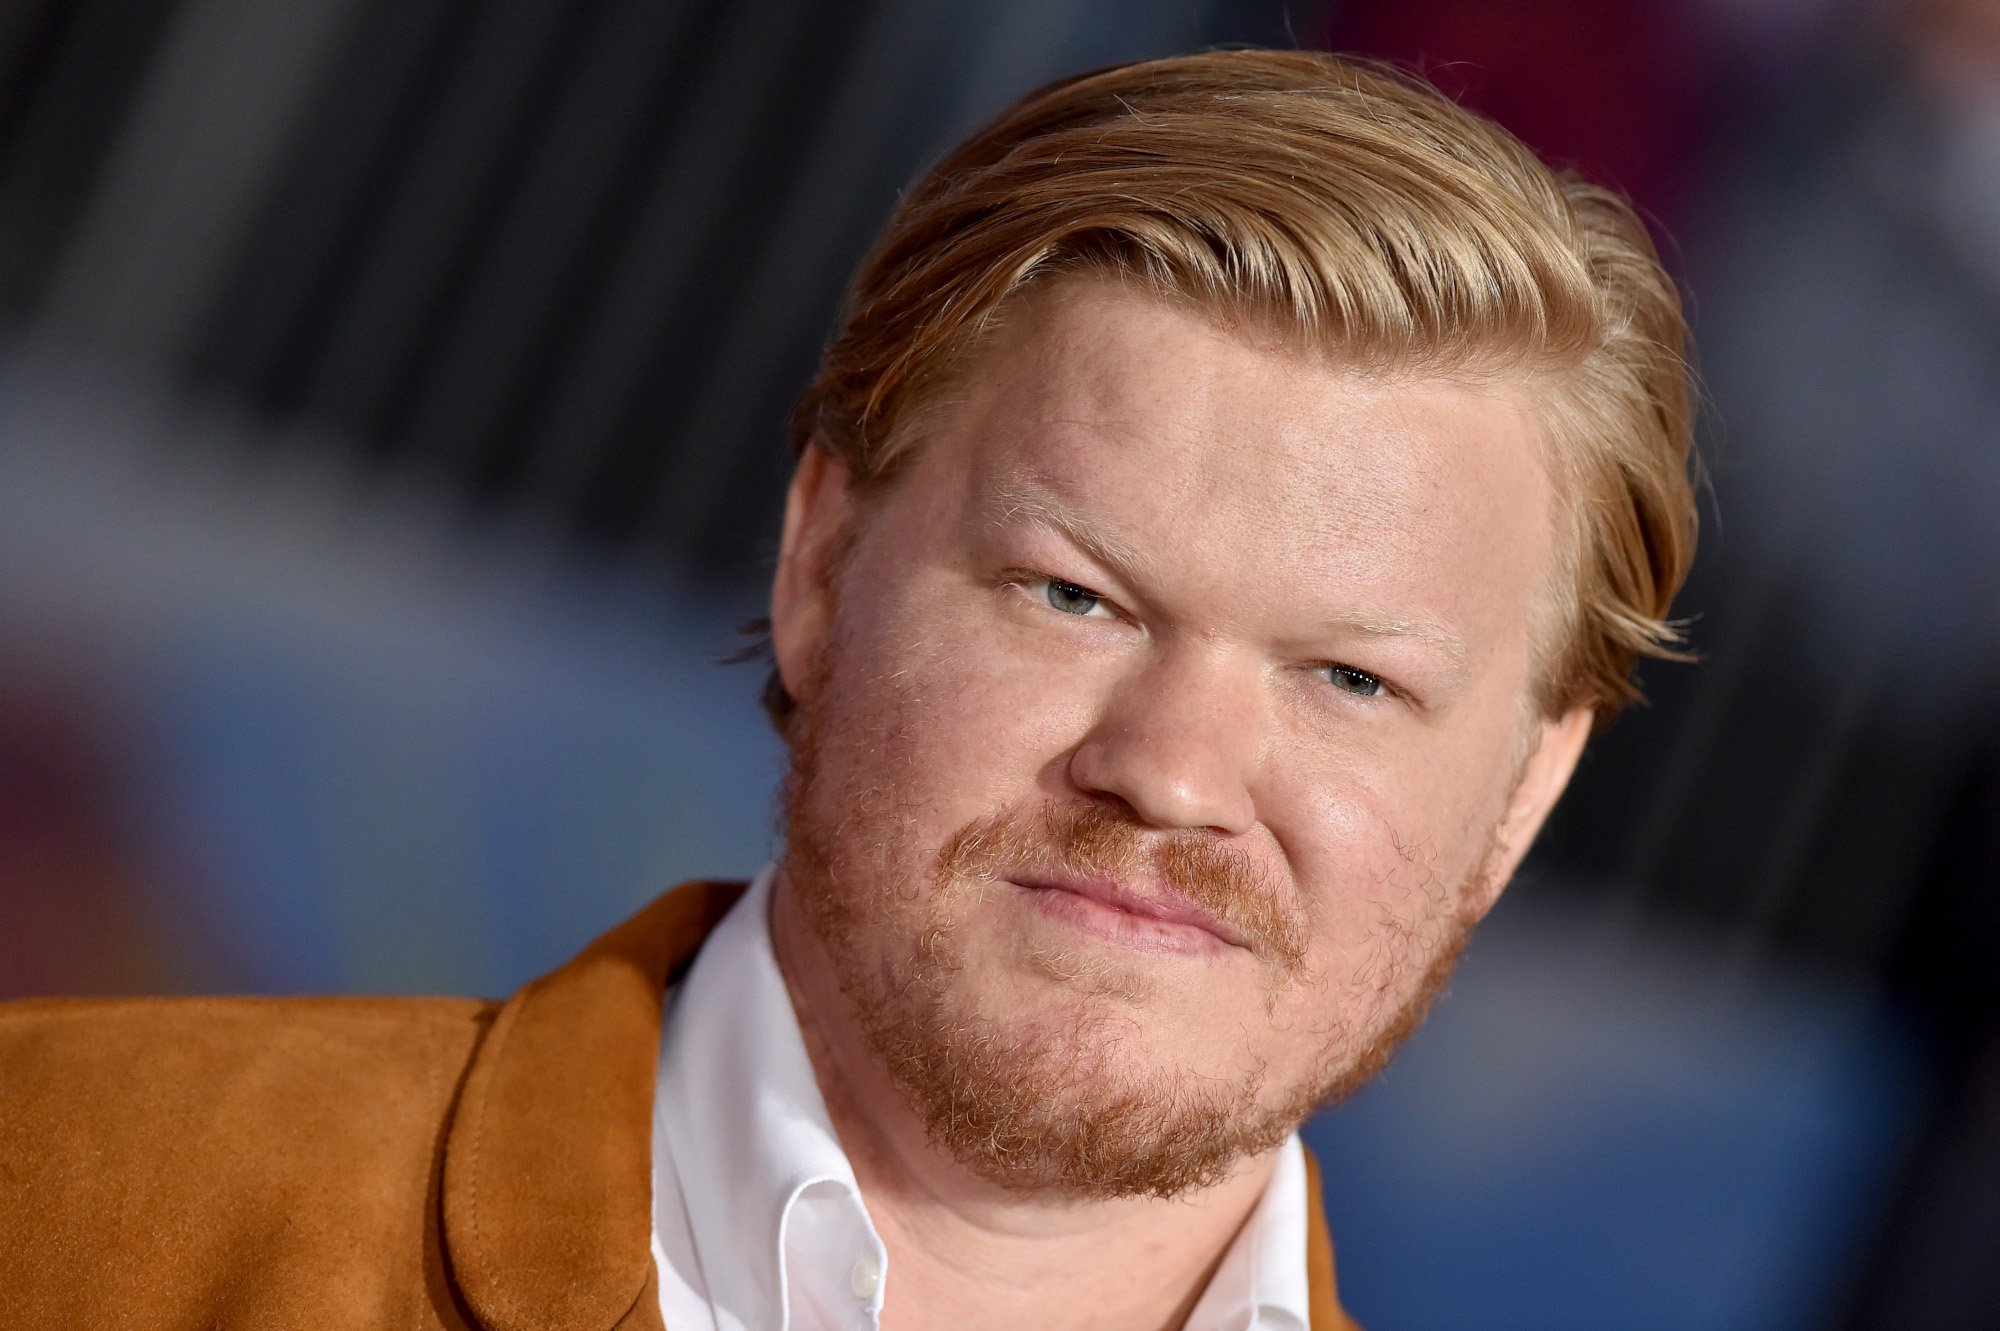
x=548, y=1155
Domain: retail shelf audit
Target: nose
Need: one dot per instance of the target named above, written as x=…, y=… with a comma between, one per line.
x=1177, y=742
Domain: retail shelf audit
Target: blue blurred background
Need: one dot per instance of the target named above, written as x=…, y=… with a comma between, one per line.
x=390, y=442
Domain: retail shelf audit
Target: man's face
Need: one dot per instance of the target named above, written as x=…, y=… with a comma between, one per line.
x=1161, y=732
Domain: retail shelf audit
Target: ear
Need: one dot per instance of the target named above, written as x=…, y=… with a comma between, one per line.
x=819, y=509
x=1558, y=745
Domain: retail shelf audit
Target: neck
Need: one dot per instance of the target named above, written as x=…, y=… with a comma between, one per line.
x=966, y=1252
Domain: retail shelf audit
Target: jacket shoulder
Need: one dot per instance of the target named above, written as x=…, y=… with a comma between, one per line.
x=78, y=1027
x=168, y=1143
x=110, y=1062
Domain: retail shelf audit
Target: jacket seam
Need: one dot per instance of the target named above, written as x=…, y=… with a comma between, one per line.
x=423, y=1274
x=500, y=1039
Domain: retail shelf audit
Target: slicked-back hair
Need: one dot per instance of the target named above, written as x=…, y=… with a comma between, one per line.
x=1354, y=211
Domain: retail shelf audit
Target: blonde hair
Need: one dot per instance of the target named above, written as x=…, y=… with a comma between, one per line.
x=1352, y=208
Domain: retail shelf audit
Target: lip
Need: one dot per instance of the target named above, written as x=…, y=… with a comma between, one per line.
x=1154, y=917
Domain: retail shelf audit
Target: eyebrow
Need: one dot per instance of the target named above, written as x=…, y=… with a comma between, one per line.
x=1425, y=631
x=1025, y=500
x=1022, y=500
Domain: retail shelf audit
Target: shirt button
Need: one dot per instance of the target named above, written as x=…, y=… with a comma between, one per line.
x=865, y=1278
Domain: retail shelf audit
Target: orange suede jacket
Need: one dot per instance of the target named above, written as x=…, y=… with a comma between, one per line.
x=357, y=1162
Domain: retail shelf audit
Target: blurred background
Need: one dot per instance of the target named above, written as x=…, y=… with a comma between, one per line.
x=391, y=397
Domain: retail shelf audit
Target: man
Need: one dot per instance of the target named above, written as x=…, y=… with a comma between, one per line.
x=1237, y=487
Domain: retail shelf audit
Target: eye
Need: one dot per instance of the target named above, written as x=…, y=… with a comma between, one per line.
x=1357, y=682
x=1070, y=598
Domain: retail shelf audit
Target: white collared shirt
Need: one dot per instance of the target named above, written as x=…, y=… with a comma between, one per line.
x=758, y=1223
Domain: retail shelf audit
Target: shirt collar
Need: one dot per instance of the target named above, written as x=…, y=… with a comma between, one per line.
x=740, y=1113
x=1261, y=1282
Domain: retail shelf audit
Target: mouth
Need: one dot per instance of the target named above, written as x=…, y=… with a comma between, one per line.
x=1148, y=917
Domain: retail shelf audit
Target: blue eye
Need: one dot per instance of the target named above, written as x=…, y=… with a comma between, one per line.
x=1070, y=598
x=1357, y=682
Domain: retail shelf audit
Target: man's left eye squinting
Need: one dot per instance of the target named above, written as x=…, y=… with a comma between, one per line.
x=1070, y=598
x=1357, y=682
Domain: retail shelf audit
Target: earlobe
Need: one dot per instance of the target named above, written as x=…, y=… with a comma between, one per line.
x=1544, y=776
x=818, y=509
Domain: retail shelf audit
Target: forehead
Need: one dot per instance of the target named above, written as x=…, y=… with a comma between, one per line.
x=1256, y=458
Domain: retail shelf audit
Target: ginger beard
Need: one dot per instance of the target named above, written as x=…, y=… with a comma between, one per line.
x=1045, y=1104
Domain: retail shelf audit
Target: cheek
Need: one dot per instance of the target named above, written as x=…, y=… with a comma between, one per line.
x=1382, y=853
x=1378, y=892
x=943, y=708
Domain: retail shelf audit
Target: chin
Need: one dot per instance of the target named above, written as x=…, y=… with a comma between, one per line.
x=1080, y=1096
